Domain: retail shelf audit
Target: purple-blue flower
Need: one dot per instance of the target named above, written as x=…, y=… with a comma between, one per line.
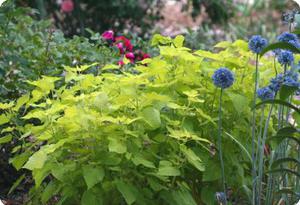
x=257, y=43
x=285, y=57
x=276, y=82
x=265, y=93
x=223, y=78
x=289, y=38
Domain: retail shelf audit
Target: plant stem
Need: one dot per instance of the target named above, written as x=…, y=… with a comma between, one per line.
x=254, y=199
x=220, y=145
x=261, y=152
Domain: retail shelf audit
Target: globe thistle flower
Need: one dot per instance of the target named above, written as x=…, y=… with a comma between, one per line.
x=223, y=78
x=285, y=57
x=257, y=43
x=265, y=93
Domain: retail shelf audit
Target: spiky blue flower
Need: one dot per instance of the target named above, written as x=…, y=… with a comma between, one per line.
x=291, y=78
x=289, y=38
x=257, y=43
x=223, y=78
x=285, y=57
x=265, y=93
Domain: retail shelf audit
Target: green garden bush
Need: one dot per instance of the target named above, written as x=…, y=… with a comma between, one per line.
x=143, y=136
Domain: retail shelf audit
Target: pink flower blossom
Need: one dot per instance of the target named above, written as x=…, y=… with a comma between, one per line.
x=120, y=46
x=108, y=35
x=121, y=63
x=130, y=56
x=67, y=6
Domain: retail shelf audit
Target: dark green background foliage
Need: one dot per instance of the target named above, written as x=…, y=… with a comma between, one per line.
x=119, y=14
x=31, y=48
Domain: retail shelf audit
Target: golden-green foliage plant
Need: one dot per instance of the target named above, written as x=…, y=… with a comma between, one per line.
x=143, y=136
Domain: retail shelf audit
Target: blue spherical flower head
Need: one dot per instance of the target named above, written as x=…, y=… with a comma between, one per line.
x=276, y=82
x=285, y=58
x=257, y=43
x=223, y=78
x=265, y=93
x=289, y=38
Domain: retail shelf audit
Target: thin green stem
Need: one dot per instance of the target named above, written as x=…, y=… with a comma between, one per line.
x=254, y=198
x=220, y=144
x=261, y=153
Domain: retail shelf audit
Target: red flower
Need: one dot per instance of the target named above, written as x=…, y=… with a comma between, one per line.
x=146, y=55
x=67, y=6
x=126, y=42
x=108, y=35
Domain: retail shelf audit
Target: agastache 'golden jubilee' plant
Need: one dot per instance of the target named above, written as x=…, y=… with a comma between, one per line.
x=144, y=137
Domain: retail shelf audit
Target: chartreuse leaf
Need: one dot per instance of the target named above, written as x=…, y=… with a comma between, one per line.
x=240, y=102
x=92, y=175
x=4, y=119
x=36, y=161
x=5, y=106
x=178, y=41
x=152, y=117
x=117, y=145
x=19, y=160
x=128, y=191
x=5, y=139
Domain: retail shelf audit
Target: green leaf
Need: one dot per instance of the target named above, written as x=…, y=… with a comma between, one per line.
x=92, y=197
x=167, y=169
x=278, y=162
x=16, y=184
x=36, y=161
x=240, y=145
x=152, y=117
x=280, y=45
x=282, y=170
x=239, y=102
x=278, y=102
x=128, y=191
x=19, y=160
x=92, y=175
x=51, y=189
x=5, y=139
x=192, y=158
x=287, y=131
x=117, y=145
x=4, y=119
x=286, y=91
x=178, y=41
x=138, y=159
